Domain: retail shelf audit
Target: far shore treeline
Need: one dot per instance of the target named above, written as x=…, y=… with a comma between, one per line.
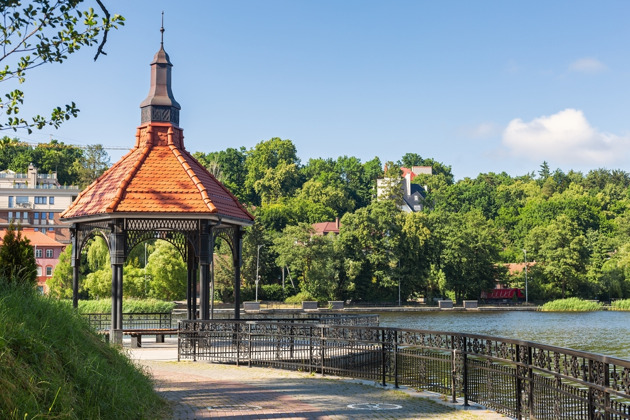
x=574, y=228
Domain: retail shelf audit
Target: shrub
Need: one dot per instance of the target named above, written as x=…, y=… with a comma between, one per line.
x=133, y=306
x=571, y=305
x=273, y=292
x=299, y=298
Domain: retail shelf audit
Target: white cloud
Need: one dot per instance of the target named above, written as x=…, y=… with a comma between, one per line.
x=587, y=65
x=565, y=137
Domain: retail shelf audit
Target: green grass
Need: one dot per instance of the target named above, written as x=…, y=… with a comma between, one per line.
x=571, y=305
x=620, y=305
x=52, y=365
x=132, y=306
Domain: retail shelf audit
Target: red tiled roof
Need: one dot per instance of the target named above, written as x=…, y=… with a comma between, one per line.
x=326, y=227
x=36, y=238
x=517, y=268
x=157, y=176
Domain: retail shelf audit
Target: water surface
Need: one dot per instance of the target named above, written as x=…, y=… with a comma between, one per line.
x=604, y=332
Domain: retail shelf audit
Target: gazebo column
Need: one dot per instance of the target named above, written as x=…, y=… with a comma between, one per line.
x=191, y=290
x=204, y=271
x=75, y=263
x=117, y=257
x=237, y=256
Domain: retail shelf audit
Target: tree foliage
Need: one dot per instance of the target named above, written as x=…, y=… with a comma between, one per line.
x=17, y=258
x=43, y=32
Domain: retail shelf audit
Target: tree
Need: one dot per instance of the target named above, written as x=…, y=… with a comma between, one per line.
x=17, y=258
x=60, y=284
x=415, y=257
x=265, y=156
x=42, y=32
x=93, y=162
x=275, y=183
x=560, y=249
x=98, y=279
x=466, y=251
x=229, y=164
x=168, y=272
x=371, y=241
x=391, y=186
x=311, y=258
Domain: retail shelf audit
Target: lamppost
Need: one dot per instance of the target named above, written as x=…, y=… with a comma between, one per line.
x=526, y=297
x=257, y=276
x=399, y=283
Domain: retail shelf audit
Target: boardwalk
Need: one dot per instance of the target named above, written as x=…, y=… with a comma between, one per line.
x=200, y=390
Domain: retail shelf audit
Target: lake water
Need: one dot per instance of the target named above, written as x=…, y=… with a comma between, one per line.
x=603, y=332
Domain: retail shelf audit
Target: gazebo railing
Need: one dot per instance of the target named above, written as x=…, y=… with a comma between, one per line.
x=518, y=378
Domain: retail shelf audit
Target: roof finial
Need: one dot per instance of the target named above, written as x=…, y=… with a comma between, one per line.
x=162, y=30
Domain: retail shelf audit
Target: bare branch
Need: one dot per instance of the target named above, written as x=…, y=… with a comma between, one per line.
x=104, y=40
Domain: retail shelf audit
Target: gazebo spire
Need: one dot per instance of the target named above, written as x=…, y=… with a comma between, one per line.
x=160, y=105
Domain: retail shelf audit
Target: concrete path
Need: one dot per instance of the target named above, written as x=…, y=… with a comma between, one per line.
x=201, y=390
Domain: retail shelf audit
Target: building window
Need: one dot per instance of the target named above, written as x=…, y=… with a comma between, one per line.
x=51, y=200
x=40, y=200
x=49, y=253
x=36, y=229
x=21, y=201
x=48, y=271
x=51, y=216
x=39, y=271
x=11, y=201
x=43, y=216
x=51, y=229
x=10, y=216
x=38, y=253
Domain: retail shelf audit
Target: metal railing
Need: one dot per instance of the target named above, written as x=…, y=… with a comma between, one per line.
x=156, y=320
x=518, y=378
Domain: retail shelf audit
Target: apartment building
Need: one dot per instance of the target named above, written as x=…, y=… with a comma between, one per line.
x=35, y=201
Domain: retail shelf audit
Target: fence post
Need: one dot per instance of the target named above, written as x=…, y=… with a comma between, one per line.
x=465, y=370
x=591, y=391
x=383, y=356
x=195, y=340
x=395, y=358
x=519, y=384
x=608, y=408
x=310, y=349
x=530, y=379
x=179, y=341
x=249, y=345
x=238, y=342
x=321, y=350
x=453, y=371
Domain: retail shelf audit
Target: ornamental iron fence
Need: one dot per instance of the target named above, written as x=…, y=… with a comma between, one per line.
x=517, y=378
x=155, y=320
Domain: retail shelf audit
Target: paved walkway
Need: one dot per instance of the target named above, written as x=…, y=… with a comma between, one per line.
x=201, y=390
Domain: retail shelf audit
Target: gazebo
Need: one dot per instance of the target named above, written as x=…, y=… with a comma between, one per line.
x=159, y=191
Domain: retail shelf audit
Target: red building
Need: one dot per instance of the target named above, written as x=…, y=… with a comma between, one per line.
x=47, y=251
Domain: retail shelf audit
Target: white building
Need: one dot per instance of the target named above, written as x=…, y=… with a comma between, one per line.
x=413, y=195
x=35, y=201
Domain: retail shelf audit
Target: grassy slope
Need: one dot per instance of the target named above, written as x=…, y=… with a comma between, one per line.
x=53, y=366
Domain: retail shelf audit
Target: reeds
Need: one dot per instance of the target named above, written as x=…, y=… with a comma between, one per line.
x=620, y=305
x=571, y=305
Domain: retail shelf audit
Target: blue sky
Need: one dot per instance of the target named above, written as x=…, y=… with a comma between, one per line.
x=483, y=86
